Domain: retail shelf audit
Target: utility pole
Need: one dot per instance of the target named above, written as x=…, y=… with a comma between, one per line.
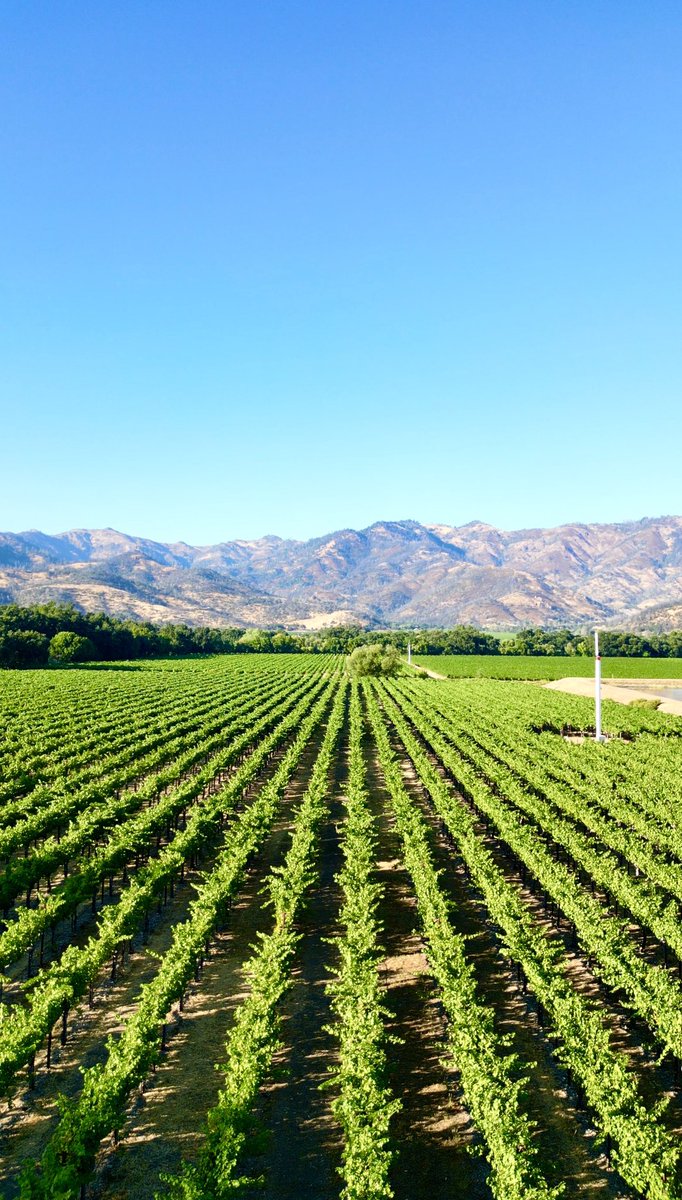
x=598, y=735
x=409, y=654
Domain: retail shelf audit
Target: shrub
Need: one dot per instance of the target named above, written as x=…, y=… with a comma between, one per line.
x=71, y=647
x=374, y=660
x=640, y=702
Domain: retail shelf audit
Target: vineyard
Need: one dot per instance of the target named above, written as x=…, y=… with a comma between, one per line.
x=270, y=930
x=550, y=666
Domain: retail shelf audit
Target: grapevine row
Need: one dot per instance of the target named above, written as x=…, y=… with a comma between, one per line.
x=25, y=873
x=650, y=907
x=490, y=1087
x=363, y=1105
x=135, y=835
x=23, y=1030
x=100, y=1109
x=650, y=990
x=147, y=726
x=644, y=1154
x=59, y=811
x=253, y=1038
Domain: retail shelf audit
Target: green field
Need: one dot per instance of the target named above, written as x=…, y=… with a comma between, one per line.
x=270, y=930
x=493, y=666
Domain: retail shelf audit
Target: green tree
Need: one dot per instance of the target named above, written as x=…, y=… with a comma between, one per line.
x=374, y=660
x=256, y=641
x=22, y=648
x=71, y=647
x=285, y=643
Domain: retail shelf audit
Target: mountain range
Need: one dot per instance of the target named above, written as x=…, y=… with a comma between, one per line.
x=394, y=573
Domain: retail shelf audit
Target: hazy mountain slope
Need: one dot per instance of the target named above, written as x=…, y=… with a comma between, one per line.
x=394, y=572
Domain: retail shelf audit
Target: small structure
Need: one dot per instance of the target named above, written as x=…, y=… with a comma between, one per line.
x=598, y=735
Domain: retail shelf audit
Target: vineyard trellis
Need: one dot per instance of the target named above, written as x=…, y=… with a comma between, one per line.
x=132, y=801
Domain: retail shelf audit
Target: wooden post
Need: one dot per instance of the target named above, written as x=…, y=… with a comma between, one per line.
x=598, y=735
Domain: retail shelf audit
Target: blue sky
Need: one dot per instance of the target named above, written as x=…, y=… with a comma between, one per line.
x=292, y=266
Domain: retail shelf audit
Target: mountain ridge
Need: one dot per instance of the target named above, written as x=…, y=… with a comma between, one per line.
x=389, y=573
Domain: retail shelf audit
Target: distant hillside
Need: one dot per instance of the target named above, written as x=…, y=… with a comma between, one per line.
x=393, y=573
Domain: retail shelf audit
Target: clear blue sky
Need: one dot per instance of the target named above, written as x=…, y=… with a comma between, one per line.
x=292, y=266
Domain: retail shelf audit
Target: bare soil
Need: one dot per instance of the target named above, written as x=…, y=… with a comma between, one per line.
x=628, y=1034
x=301, y=1148
x=564, y=1135
x=27, y=1122
x=623, y=691
x=433, y=1130
x=297, y=1148
x=166, y=1121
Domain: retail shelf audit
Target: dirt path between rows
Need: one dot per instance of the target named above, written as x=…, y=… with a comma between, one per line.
x=166, y=1122
x=622, y=692
x=420, y=670
x=26, y=1126
x=433, y=1132
x=302, y=1145
x=301, y=1150
x=628, y=1034
x=564, y=1136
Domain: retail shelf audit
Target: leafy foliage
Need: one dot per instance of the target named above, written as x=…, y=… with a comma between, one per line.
x=132, y=773
x=364, y=1105
x=23, y=1028
x=68, y=647
x=644, y=1153
x=539, y=666
x=100, y=1109
x=374, y=660
x=490, y=1080
x=253, y=1038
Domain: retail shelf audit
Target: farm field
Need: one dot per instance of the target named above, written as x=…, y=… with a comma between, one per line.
x=511, y=666
x=269, y=930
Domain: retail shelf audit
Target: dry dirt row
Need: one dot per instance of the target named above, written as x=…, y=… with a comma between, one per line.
x=77, y=929
x=298, y=1149
x=564, y=1135
x=26, y=1125
x=628, y=1034
x=433, y=1132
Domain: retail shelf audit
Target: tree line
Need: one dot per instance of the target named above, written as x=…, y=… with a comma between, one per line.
x=35, y=636
x=59, y=633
